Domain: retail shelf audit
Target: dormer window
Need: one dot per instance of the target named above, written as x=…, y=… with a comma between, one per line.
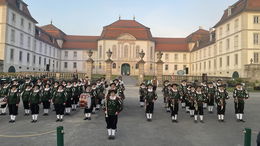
x=229, y=11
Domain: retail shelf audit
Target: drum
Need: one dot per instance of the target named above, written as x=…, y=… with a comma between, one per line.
x=3, y=101
x=83, y=100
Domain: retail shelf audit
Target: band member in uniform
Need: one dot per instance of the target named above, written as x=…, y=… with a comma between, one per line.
x=3, y=94
x=165, y=93
x=142, y=93
x=100, y=93
x=75, y=95
x=155, y=83
x=183, y=91
x=174, y=96
x=94, y=97
x=200, y=98
x=46, y=99
x=13, y=101
x=221, y=97
x=86, y=102
x=112, y=108
x=69, y=98
x=34, y=101
x=204, y=90
x=240, y=95
x=59, y=100
x=150, y=98
x=192, y=94
x=211, y=92
x=26, y=93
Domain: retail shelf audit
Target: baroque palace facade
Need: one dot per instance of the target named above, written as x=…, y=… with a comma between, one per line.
x=224, y=50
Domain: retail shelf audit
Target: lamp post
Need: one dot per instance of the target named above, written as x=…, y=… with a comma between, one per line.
x=159, y=69
x=141, y=67
x=109, y=65
x=89, y=64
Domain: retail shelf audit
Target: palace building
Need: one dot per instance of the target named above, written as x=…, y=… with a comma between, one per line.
x=224, y=50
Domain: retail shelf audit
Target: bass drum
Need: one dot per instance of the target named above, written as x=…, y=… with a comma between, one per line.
x=83, y=100
x=3, y=101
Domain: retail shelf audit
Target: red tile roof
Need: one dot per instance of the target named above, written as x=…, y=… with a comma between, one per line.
x=197, y=35
x=171, y=44
x=80, y=42
x=14, y=4
x=54, y=31
x=45, y=37
x=136, y=29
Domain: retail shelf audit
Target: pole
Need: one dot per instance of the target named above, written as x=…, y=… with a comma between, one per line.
x=247, y=140
x=60, y=136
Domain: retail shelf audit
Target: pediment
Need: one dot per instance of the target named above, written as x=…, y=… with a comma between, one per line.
x=126, y=36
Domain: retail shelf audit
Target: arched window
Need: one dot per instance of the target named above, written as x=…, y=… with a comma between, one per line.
x=100, y=51
x=114, y=51
x=126, y=51
x=136, y=66
x=137, y=51
x=100, y=66
x=114, y=65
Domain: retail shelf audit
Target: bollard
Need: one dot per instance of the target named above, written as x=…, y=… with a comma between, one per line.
x=247, y=140
x=60, y=136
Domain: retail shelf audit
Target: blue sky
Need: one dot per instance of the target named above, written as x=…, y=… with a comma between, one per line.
x=166, y=18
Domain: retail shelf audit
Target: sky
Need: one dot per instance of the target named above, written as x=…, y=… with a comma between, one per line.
x=165, y=18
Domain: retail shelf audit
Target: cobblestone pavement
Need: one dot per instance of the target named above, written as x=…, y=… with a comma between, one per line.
x=134, y=130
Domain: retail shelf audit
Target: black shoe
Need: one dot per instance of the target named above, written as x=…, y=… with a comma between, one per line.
x=35, y=121
x=11, y=121
x=201, y=121
x=187, y=112
x=57, y=120
x=109, y=137
x=191, y=115
x=195, y=121
x=89, y=118
x=86, y=118
x=222, y=121
x=112, y=137
x=241, y=120
x=3, y=114
x=32, y=121
x=176, y=121
x=61, y=120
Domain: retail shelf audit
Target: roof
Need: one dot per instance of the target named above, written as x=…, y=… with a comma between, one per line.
x=136, y=29
x=171, y=44
x=197, y=35
x=80, y=42
x=41, y=35
x=239, y=7
x=54, y=31
x=15, y=5
x=204, y=41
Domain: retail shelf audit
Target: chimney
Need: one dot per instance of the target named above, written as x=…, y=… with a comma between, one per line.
x=229, y=10
x=198, y=43
x=211, y=30
x=200, y=27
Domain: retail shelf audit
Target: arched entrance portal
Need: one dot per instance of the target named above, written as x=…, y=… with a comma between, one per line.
x=125, y=69
x=235, y=75
x=11, y=69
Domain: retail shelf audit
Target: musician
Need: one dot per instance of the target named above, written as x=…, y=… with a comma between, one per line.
x=155, y=83
x=3, y=93
x=120, y=88
x=35, y=100
x=69, y=98
x=94, y=97
x=142, y=93
x=26, y=93
x=13, y=101
x=221, y=97
x=112, y=108
x=192, y=94
x=184, y=93
x=46, y=99
x=100, y=93
x=59, y=100
x=200, y=98
x=240, y=95
x=168, y=99
x=165, y=92
x=210, y=92
x=204, y=90
x=174, y=97
x=86, y=102
x=75, y=95
x=150, y=98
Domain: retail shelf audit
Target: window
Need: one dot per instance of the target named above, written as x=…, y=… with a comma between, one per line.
x=209, y=64
x=137, y=51
x=34, y=59
x=176, y=57
x=200, y=65
x=29, y=42
x=44, y=60
x=220, y=47
x=228, y=61
x=22, y=22
x=100, y=51
x=45, y=50
x=220, y=62
x=215, y=49
x=151, y=66
x=40, y=60
x=175, y=67
x=256, y=19
x=75, y=54
x=100, y=66
x=114, y=51
x=13, y=18
x=65, y=64
x=126, y=51
x=13, y=35
x=11, y=54
x=236, y=24
x=136, y=66
x=21, y=56
x=215, y=63
x=21, y=39
x=66, y=54
x=151, y=53
x=256, y=38
x=166, y=67
x=228, y=27
x=236, y=59
x=166, y=57
x=209, y=52
x=28, y=57
x=57, y=64
x=220, y=32
x=228, y=44
x=236, y=42
x=184, y=57
x=75, y=65
x=256, y=57
x=29, y=27
x=205, y=65
x=114, y=65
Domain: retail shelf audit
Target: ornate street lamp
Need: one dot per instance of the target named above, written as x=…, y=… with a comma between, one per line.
x=109, y=54
x=141, y=54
